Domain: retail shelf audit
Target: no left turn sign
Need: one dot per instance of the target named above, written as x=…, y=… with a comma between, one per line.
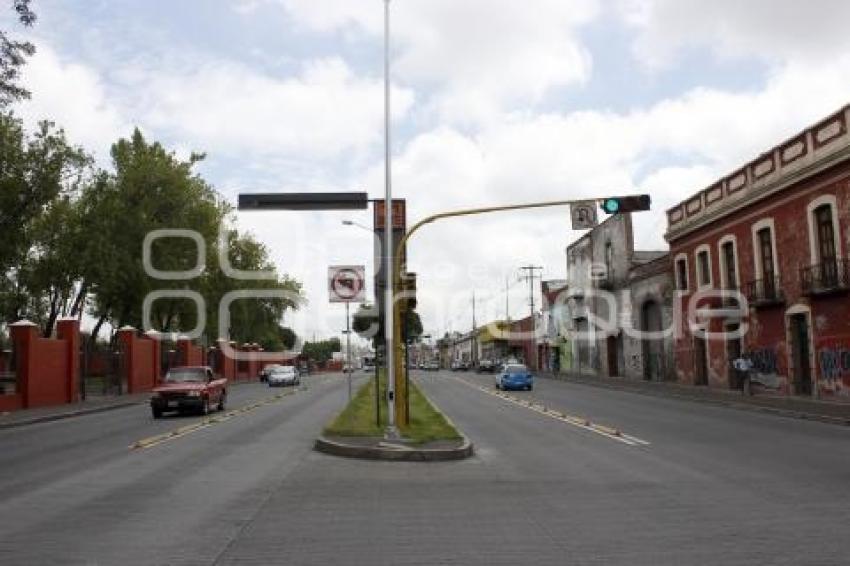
x=347, y=283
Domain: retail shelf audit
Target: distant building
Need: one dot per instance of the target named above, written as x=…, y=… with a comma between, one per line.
x=555, y=349
x=611, y=293
x=493, y=338
x=778, y=230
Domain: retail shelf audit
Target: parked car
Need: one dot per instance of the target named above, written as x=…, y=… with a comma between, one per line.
x=284, y=375
x=264, y=373
x=486, y=366
x=432, y=366
x=515, y=376
x=368, y=368
x=189, y=388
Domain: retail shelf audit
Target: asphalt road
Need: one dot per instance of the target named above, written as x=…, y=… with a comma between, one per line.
x=681, y=483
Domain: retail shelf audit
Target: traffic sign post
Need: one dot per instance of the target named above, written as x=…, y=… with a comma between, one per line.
x=347, y=284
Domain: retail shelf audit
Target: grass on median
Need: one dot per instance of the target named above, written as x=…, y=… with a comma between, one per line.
x=358, y=418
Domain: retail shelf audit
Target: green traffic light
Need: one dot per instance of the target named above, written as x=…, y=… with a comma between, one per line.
x=611, y=205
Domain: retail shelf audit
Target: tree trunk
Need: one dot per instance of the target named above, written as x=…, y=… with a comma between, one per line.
x=54, y=314
x=79, y=300
x=96, y=330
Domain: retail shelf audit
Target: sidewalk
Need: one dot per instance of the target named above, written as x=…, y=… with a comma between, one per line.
x=93, y=404
x=799, y=407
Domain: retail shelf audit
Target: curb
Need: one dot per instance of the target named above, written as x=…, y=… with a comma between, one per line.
x=70, y=414
x=82, y=412
x=730, y=403
x=399, y=453
x=394, y=453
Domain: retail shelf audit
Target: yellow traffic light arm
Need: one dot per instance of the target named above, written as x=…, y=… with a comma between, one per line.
x=473, y=211
x=401, y=391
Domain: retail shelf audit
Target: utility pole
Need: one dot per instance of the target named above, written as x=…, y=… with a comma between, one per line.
x=530, y=275
x=507, y=304
x=474, y=353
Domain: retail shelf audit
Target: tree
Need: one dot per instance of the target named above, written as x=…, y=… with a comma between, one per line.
x=39, y=177
x=288, y=337
x=322, y=350
x=251, y=319
x=366, y=323
x=150, y=189
x=13, y=56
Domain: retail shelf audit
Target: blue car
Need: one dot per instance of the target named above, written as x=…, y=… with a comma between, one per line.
x=514, y=376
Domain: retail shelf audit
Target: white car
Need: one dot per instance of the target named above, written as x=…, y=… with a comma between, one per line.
x=284, y=375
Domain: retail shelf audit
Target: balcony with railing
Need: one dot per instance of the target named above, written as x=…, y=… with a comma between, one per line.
x=765, y=292
x=830, y=276
x=729, y=299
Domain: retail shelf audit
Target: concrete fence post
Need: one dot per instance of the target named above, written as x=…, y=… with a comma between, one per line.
x=156, y=353
x=127, y=339
x=24, y=334
x=68, y=329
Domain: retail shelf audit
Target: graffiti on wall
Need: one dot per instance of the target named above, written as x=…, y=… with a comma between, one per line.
x=764, y=360
x=834, y=360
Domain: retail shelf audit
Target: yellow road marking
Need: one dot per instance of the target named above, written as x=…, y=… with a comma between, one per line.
x=207, y=422
x=579, y=422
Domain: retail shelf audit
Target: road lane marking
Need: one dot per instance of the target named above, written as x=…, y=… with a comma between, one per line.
x=576, y=421
x=207, y=422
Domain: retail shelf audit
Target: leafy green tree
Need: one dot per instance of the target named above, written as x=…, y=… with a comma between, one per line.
x=288, y=338
x=366, y=323
x=321, y=351
x=251, y=319
x=39, y=176
x=150, y=189
x=13, y=56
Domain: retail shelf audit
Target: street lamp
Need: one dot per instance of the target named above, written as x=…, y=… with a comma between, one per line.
x=357, y=225
x=392, y=431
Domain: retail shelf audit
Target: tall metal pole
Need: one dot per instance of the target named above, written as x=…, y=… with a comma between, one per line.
x=507, y=301
x=388, y=235
x=348, y=347
x=474, y=341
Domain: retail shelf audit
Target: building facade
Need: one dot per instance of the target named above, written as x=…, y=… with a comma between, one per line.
x=612, y=293
x=778, y=230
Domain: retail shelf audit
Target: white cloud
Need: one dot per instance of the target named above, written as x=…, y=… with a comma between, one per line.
x=670, y=149
x=482, y=69
x=773, y=30
x=75, y=97
x=483, y=55
x=228, y=107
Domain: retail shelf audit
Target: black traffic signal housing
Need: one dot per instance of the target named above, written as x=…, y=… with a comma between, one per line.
x=408, y=291
x=631, y=203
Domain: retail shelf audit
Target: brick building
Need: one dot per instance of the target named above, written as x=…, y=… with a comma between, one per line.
x=778, y=230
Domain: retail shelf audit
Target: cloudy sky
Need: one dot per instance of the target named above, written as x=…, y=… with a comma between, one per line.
x=494, y=102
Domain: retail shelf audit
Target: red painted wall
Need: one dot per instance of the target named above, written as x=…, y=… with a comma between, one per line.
x=46, y=373
x=767, y=338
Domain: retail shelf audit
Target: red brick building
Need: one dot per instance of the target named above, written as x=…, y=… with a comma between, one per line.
x=778, y=230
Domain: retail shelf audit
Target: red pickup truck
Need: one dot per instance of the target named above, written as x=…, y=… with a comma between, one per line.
x=189, y=388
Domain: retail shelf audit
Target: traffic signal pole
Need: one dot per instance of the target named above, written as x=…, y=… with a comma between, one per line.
x=400, y=401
